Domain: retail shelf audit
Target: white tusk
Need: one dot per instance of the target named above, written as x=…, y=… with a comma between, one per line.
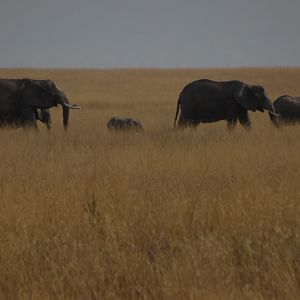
x=73, y=106
x=272, y=113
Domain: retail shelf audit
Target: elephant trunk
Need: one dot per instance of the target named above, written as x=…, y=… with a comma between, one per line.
x=66, y=107
x=268, y=106
x=65, y=116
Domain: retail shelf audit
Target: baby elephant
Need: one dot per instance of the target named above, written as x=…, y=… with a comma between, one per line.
x=118, y=124
x=288, y=108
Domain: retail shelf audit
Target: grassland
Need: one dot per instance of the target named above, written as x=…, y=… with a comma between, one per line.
x=193, y=214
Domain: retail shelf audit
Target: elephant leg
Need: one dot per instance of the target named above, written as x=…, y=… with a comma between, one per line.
x=47, y=119
x=231, y=123
x=26, y=124
x=195, y=124
x=244, y=119
x=36, y=113
x=181, y=122
x=28, y=117
x=29, y=124
x=232, y=117
x=44, y=116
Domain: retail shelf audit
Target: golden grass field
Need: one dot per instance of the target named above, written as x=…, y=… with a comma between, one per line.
x=168, y=214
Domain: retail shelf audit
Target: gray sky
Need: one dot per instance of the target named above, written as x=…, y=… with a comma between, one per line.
x=153, y=33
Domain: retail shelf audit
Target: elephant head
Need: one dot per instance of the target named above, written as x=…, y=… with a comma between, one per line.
x=255, y=97
x=43, y=94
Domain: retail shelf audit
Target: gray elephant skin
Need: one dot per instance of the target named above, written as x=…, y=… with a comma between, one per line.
x=122, y=124
x=24, y=101
x=43, y=115
x=206, y=101
x=288, y=108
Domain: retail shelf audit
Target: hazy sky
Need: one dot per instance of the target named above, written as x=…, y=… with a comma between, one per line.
x=152, y=33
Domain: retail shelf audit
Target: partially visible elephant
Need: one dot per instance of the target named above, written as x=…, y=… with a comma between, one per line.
x=43, y=115
x=24, y=101
x=118, y=123
x=288, y=108
x=206, y=101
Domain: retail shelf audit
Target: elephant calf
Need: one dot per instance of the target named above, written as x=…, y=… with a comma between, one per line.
x=118, y=123
x=288, y=108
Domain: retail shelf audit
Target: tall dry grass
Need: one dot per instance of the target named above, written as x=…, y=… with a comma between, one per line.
x=194, y=214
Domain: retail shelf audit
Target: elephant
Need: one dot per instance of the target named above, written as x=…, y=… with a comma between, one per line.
x=118, y=124
x=206, y=101
x=24, y=101
x=288, y=108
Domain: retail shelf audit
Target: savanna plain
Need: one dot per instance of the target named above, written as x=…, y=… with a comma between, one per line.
x=168, y=214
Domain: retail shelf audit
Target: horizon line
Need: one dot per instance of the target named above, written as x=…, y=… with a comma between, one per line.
x=149, y=68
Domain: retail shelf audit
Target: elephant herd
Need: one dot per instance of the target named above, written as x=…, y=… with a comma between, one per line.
x=206, y=101
x=25, y=101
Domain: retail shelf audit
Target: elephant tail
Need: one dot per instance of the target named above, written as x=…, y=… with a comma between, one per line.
x=177, y=110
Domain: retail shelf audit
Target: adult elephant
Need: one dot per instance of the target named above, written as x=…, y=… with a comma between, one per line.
x=288, y=108
x=206, y=101
x=24, y=101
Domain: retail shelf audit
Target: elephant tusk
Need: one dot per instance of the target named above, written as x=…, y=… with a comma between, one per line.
x=272, y=113
x=72, y=106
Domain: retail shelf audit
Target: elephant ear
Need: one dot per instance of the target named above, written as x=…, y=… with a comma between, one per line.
x=246, y=97
x=36, y=94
